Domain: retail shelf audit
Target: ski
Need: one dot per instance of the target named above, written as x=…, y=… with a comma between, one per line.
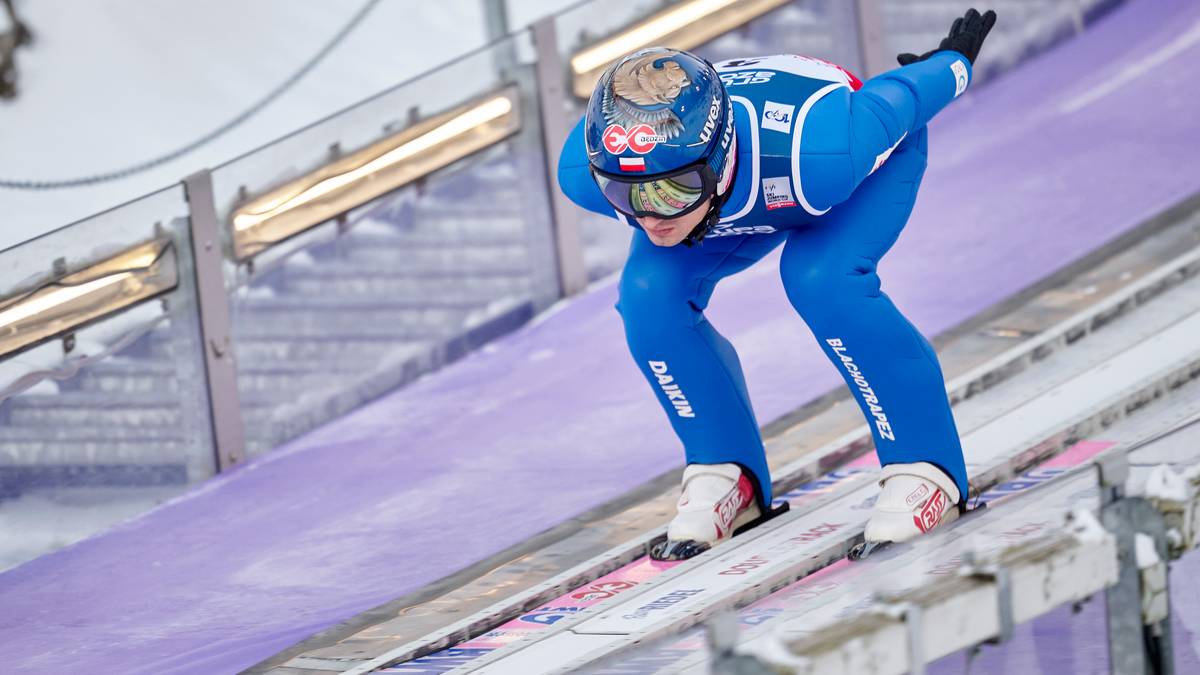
x=634, y=574
x=827, y=593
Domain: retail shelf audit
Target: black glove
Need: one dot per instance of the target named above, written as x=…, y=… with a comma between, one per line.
x=966, y=37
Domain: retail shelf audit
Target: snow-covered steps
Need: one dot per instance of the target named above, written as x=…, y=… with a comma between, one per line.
x=350, y=282
x=253, y=352
x=125, y=376
x=346, y=322
x=468, y=229
x=86, y=408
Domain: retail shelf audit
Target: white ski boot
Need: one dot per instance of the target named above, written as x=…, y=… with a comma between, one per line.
x=915, y=499
x=717, y=499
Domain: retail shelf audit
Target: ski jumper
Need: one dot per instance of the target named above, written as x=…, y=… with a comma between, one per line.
x=829, y=167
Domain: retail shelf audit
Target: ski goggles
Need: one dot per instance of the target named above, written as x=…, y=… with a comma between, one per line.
x=666, y=196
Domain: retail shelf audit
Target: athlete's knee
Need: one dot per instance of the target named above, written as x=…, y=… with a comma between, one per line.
x=829, y=284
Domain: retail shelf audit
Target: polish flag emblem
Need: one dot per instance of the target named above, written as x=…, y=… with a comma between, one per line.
x=633, y=163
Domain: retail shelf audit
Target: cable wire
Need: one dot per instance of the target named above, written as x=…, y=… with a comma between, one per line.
x=82, y=181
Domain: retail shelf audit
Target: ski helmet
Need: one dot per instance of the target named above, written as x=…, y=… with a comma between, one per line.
x=659, y=135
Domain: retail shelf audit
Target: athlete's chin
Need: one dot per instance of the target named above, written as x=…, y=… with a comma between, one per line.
x=668, y=239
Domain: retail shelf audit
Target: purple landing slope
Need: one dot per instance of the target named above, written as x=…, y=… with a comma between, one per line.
x=1032, y=172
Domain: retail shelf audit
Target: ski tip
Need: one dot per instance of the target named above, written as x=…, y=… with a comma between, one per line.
x=862, y=550
x=682, y=550
x=667, y=550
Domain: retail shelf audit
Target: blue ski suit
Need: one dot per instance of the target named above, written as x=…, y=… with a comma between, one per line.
x=829, y=167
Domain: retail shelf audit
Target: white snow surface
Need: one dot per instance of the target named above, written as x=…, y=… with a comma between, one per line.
x=1165, y=484
x=111, y=83
x=1086, y=527
x=51, y=519
x=1147, y=553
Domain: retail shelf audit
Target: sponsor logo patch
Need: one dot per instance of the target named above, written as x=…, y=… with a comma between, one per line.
x=549, y=615
x=602, y=590
x=778, y=193
x=873, y=404
x=749, y=565
x=746, y=77
x=931, y=513
x=728, y=508
x=961, y=78
x=728, y=231
x=739, y=63
x=778, y=116
x=816, y=533
x=662, y=603
x=671, y=389
x=640, y=139
x=710, y=123
x=916, y=495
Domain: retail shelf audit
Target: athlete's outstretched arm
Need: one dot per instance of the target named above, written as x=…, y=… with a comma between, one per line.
x=575, y=179
x=848, y=134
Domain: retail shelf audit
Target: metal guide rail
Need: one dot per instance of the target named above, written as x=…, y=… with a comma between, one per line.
x=1105, y=314
x=1009, y=566
x=1163, y=354
x=1025, y=515
x=790, y=548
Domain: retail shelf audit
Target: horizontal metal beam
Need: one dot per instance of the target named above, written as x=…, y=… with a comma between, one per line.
x=63, y=304
x=684, y=25
x=1044, y=574
x=375, y=170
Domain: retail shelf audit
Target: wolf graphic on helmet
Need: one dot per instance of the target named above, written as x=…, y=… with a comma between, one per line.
x=642, y=90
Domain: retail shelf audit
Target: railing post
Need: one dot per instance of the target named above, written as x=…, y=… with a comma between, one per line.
x=495, y=26
x=229, y=431
x=872, y=43
x=1134, y=646
x=551, y=85
x=495, y=19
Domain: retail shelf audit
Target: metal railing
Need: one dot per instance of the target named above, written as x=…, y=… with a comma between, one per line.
x=1121, y=552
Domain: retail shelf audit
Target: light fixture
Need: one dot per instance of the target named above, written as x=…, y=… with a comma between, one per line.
x=682, y=26
x=61, y=305
x=373, y=171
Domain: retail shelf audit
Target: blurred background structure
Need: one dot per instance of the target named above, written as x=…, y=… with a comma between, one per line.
x=17, y=35
x=244, y=243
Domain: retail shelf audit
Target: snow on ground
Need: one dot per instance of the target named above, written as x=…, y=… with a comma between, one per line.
x=51, y=519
